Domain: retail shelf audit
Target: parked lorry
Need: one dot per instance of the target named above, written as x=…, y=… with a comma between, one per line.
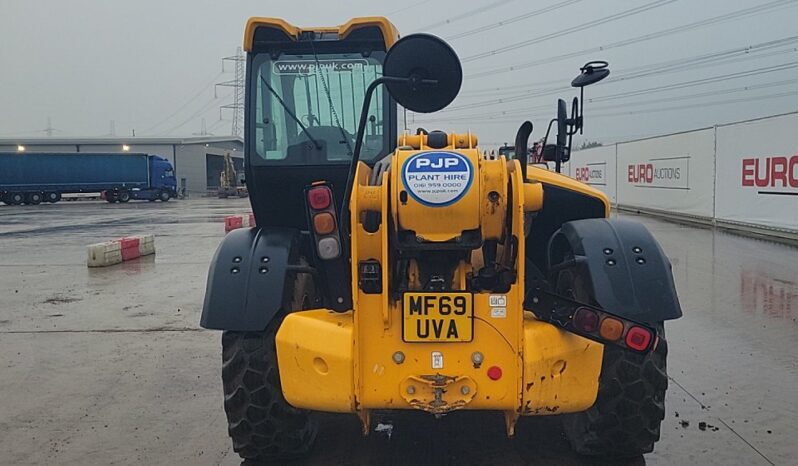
x=33, y=178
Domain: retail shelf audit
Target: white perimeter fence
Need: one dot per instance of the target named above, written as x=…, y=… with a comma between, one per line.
x=740, y=175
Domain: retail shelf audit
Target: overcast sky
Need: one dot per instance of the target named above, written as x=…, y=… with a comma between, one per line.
x=150, y=65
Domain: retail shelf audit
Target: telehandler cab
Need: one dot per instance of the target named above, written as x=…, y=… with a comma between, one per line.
x=411, y=272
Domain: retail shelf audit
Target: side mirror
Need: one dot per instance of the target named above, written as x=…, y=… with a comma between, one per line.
x=591, y=73
x=428, y=71
x=550, y=153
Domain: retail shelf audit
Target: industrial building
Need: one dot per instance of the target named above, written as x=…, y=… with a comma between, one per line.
x=198, y=161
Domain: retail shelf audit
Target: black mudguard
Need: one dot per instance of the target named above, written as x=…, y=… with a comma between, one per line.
x=627, y=269
x=247, y=278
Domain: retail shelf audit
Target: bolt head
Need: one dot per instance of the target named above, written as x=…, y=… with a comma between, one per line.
x=465, y=390
x=398, y=357
x=411, y=389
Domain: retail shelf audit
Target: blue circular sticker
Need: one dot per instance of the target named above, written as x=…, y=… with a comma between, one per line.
x=437, y=179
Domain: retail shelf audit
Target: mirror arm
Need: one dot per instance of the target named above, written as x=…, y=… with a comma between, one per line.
x=546, y=137
x=581, y=109
x=361, y=128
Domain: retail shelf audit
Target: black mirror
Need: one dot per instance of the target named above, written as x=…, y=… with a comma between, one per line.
x=430, y=70
x=550, y=153
x=591, y=73
x=562, y=123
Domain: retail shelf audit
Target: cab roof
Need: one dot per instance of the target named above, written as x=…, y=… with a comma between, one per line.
x=389, y=33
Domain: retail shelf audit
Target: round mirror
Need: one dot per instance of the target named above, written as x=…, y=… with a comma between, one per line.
x=592, y=72
x=432, y=70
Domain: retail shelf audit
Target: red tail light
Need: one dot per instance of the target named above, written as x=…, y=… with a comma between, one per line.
x=319, y=197
x=586, y=320
x=638, y=338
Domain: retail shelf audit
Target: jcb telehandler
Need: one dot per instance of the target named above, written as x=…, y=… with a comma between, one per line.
x=411, y=272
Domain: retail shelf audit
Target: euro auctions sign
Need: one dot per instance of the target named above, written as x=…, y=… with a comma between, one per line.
x=594, y=174
x=667, y=173
x=757, y=172
x=771, y=175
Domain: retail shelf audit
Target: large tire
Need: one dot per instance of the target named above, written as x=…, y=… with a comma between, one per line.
x=262, y=425
x=625, y=419
x=52, y=197
x=164, y=196
x=123, y=196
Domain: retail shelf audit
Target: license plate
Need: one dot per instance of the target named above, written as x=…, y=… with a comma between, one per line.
x=437, y=317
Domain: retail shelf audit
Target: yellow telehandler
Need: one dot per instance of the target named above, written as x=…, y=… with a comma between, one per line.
x=413, y=272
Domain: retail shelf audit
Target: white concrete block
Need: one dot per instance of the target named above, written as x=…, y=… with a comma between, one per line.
x=146, y=244
x=104, y=254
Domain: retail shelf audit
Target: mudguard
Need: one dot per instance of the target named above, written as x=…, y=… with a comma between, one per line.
x=629, y=273
x=246, y=280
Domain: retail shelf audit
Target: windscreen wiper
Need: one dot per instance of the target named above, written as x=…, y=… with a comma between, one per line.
x=329, y=99
x=291, y=114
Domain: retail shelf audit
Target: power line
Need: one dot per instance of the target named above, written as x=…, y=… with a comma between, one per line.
x=515, y=19
x=571, y=30
x=552, y=91
x=748, y=52
x=185, y=104
x=463, y=15
x=635, y=40
x=207, y=106
x=517, y=112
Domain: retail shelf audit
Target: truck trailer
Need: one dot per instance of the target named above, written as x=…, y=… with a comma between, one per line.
x=33, y=178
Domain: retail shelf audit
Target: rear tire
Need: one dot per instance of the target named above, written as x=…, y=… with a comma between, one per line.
x=52, y=197
x=625, y=419
x=123, y=196
x=261, y=424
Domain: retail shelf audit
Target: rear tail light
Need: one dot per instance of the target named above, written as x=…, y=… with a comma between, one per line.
x=586, y=320
x=328, y=248
x=324, y=223
x=638, y=338
x=319, y=197
x=611, y=329
x=591, y=322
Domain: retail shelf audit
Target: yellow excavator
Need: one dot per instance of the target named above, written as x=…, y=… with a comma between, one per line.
x=230, y=184
x=412, y=272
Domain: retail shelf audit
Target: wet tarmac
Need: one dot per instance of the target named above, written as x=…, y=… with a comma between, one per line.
x=108, y=366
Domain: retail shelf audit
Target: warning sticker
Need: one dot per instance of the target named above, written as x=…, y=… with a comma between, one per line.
x=437, y=179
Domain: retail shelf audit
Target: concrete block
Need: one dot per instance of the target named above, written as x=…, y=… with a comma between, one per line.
x=104, y=254
x=146, y=244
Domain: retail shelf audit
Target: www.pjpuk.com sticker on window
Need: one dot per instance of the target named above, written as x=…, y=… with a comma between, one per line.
x=284, y=67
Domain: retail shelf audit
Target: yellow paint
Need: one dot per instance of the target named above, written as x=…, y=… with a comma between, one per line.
x=558, y=179
x=345, y=362
x=314, y=354
x=389, y=32
x=561, y=370
x=434, y=224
